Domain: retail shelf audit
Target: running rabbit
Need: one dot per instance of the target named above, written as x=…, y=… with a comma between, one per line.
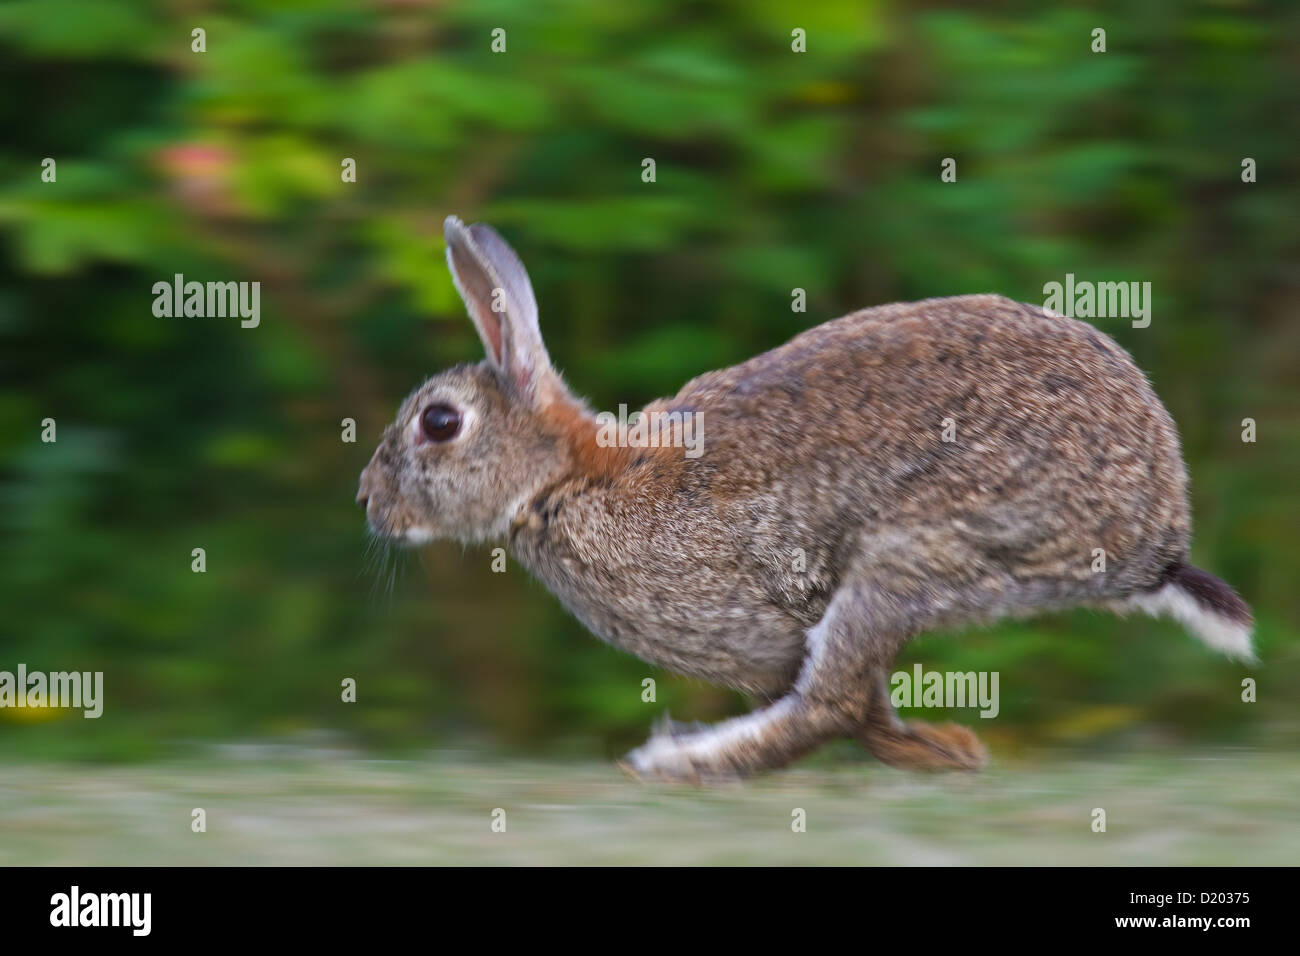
x=900, y=469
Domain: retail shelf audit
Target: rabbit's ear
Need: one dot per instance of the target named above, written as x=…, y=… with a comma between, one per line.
x=495, y=287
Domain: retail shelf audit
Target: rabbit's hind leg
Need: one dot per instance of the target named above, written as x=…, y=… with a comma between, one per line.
x=850, y=652
x=831, y=698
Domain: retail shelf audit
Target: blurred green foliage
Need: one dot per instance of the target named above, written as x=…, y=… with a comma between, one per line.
x=775, y=170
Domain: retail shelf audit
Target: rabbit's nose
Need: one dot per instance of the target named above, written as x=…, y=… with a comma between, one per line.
x=363, y=493
x=372, y=478
x=364, y=488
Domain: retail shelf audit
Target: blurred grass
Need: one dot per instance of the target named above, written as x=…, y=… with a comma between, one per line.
x=269, y=807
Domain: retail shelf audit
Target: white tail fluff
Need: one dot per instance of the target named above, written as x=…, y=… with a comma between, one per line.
x=1213, y=627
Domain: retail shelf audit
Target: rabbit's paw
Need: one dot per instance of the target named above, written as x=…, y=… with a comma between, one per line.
x=922, y=746
x=671, y=756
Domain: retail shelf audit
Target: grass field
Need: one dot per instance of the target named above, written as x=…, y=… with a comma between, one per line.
x=270, y=807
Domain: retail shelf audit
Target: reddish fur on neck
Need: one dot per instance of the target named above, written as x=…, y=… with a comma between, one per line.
x=578, y=429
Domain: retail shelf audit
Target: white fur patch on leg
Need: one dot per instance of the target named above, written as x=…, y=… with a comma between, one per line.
x=684, y=757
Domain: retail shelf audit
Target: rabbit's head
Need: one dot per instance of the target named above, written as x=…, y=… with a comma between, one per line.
x=475, y=442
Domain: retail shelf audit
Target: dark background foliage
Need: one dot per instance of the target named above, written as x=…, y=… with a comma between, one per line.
x=775, y=170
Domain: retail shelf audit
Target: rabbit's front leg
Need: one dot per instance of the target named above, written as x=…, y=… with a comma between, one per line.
x=763, y=740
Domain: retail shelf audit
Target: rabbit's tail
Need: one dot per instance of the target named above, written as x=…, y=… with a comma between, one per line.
x=1205, y=605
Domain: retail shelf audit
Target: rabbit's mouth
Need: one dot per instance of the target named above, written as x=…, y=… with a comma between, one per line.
x=390, y=522
x=385, y=524
x=414, y=535
x=385, y=513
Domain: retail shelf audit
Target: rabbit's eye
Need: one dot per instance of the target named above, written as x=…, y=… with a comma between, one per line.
x=440, y=422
